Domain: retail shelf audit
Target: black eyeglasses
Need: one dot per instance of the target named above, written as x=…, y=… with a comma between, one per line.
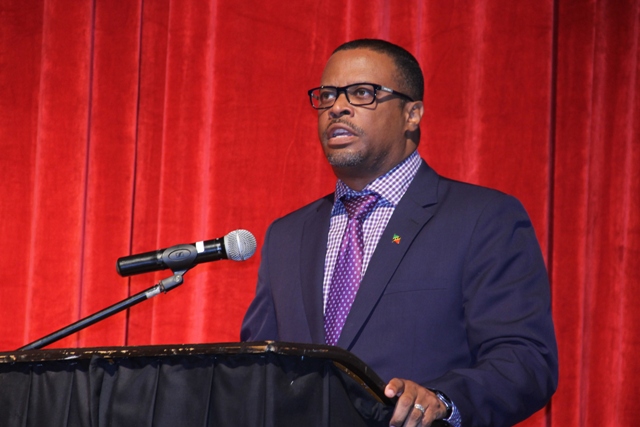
x=358, y=94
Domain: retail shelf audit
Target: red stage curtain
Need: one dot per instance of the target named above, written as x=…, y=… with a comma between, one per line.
x=127, y=126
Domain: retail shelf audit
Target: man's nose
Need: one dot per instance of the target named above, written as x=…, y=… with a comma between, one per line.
x=341, y=107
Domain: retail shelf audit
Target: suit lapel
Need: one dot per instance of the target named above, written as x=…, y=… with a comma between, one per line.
x=414, y=210
x=312, y=254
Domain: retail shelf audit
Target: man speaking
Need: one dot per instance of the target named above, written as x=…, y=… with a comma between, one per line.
x=437, y=285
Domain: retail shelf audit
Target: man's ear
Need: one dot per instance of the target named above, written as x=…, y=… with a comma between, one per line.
x=414, y=113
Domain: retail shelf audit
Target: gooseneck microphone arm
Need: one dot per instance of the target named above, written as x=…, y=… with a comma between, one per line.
x=163, y=286
x=184, y=258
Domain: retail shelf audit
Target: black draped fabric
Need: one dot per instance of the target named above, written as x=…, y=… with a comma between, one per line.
x=264, y=389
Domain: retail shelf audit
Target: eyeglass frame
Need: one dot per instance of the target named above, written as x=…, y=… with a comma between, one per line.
x=343, y=89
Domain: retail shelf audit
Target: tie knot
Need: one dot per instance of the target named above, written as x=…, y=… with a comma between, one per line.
x=359, y=206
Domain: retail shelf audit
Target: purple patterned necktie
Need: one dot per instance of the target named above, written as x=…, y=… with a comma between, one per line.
x=348, y=270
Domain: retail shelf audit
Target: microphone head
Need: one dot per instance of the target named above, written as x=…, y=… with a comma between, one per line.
x=240, y=245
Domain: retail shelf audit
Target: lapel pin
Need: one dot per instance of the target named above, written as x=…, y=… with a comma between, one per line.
x=396, y=239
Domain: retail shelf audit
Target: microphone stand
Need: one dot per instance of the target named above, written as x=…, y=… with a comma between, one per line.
x=165, y=285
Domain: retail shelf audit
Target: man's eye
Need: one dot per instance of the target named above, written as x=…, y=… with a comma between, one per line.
x=326, y=95
x=363, y=92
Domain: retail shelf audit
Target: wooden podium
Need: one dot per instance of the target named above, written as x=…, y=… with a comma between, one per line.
x=236, y=384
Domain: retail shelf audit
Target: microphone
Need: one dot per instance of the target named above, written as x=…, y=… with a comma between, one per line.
x=238, y=245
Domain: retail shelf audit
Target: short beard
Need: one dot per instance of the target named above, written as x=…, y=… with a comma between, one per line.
x=361, y=160
x=345, y=160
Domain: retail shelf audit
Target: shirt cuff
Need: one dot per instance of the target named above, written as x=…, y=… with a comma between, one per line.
x=454, y=419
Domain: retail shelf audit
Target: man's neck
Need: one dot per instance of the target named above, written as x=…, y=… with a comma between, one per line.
x=357, y=179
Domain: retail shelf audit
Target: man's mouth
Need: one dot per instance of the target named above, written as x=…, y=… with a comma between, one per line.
x=339, y=130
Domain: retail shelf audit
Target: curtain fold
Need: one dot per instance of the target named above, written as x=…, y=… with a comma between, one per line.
x=596, y=263
x=128, y=126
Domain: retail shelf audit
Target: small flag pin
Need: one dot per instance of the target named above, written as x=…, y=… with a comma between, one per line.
x=396, y=239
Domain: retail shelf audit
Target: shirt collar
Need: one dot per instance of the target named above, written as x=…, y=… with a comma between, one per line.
x=390, y=186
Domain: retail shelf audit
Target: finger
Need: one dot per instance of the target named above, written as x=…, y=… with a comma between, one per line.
x=394, y=388
x=407, y=417
x=431, y=409
x=405, y=414
x=422, y=420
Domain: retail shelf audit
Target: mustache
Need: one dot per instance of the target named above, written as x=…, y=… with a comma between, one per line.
x=357, y=130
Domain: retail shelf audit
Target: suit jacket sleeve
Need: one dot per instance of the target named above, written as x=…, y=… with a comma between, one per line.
x=506, y=303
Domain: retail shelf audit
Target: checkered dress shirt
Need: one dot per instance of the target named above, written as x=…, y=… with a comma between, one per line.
x=391, y=187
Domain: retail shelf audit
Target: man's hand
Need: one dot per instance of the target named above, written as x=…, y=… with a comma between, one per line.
x=411, y=397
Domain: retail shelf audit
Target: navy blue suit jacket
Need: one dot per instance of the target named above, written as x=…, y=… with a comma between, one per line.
x=460, y=304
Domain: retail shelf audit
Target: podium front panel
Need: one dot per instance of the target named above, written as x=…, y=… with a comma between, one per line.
x=256, y=384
